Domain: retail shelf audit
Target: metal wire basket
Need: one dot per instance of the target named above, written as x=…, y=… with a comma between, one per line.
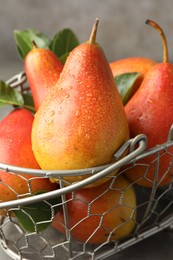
x=154, y=205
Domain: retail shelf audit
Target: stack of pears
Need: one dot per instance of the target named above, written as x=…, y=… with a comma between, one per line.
x=81, y=122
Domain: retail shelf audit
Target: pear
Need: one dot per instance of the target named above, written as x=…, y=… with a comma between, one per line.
x=101, y=214
x=82, y=121
x=16, y=150
x=149, y=112
x=42, y=68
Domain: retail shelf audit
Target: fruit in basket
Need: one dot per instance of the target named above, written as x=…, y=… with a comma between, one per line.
x=42, y=68
x=132, y=64
x=149, y=112
x=82, y=121
x=101, y=214
x=15, y=149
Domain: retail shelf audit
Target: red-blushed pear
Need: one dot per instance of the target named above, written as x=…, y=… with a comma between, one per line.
x=16, y=150
x=100, y=214
x=150, y=111
x=42, y=68
x=132, y=64
x=82, y=121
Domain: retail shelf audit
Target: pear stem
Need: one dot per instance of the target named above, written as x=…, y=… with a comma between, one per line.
x=94, y=31
x=164, y=41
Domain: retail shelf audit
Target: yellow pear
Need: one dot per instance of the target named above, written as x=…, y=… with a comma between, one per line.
x=82, y=121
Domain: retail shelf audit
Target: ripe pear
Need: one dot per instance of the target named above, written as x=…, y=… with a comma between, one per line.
x=82, y=121
x=149, y=112
x=42, y=68
x=132, y=64
x=16, y=150
x=101, y=214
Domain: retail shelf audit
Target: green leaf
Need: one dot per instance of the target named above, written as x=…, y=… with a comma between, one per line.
x=125, y=83
x=37, y=216
x=28, y=102
x=10, y=96
x=64, y=57
x=41, y=40
x=63, y=42
x=25, y=38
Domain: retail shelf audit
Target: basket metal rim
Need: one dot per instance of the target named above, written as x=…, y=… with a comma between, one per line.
x=77, y=185
x=131, y=144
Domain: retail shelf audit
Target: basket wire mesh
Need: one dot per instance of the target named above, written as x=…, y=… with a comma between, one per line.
x=154, y=207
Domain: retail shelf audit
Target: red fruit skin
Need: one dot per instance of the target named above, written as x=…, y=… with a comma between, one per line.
x=94, y=213
x=42, y=68
x=150, y=112
x=82, y=121
x=15, y=149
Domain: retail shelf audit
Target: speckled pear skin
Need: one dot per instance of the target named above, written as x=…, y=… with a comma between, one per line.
x=16, y=150
x=149, y=112
x=82, y=121
x=42, y=68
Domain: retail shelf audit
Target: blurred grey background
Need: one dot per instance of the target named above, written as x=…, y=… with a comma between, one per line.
x=122, y=29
